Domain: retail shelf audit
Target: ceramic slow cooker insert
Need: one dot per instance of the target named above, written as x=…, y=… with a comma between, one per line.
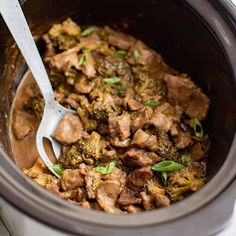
x=193, y=36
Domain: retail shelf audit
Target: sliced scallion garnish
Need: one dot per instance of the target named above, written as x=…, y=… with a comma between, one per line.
x=87, y=31
x=57, y=168
x=166, y=166
x=152, y=103
x=107, y=169
x=121, y=53
x=136, y=55
x=112, y=80
x=197, y=127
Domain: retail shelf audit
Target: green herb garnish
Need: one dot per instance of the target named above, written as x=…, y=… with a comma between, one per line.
x=57, y=168
x=107, y=169
x=121, y=53
x=136, y=55
x=87, y=31
x=165, y=166
x=197, y=127
x=112, y=80
x=152, y=103
x=164, y=177
x=121, y=87
x=83, y=59
x=186, y=160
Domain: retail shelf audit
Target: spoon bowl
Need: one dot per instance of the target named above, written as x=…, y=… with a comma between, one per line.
x=53, y=111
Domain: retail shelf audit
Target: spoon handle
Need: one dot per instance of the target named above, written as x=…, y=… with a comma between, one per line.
x=16, y=22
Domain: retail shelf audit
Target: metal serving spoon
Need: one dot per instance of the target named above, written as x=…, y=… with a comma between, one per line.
x=53, y=112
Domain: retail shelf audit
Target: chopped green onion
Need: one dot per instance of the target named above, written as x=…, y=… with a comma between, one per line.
x=121, y=53
x=136, y=55
x=112, y=80
x=83, y=59
x=164, y=177
x=186, y=160
x=57, y=168
x=87, y=31
x=121, y=87
x=152, y=103
x=167, y=166
x=197, y=127
x=107, y=169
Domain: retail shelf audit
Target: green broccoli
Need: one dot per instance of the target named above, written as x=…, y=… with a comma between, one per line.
x=35, y=105
x=185, y=181
x=71, y=158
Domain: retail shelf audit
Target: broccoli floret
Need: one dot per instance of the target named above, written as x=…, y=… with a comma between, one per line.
x=103, y=107
x=184, y=182
x=71, y=157
x=35, y=105
x=91, y=147
x=154, y=188
x=43, y=179
x=166, y=149
x=65, y=35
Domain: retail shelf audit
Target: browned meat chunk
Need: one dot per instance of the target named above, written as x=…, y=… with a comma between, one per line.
x=128, y=197
x=179, y=89
x=142, y=119
x=108, y=152
x=20, y=127
x=144, y=55
x=118, y=143
x=119, y=40
x=146, y=201
x=200, y=150
x=198, y=105
x=160, y=200
x=139, y=157
x=181, y=138
x=53, y=187
x=182, y=91
x=50, y=50
x=172, y=112
x=133, y=104
x=66, y=60
x=139, y=177
x=119, y=126
x=85, y=204
x=69, y=130
x=71, y=179
x=89, y=67
x=83, y=85
x=116, y=175
x=145, y=140
x=133, y=209
x=92, y=181
x=160, y=121
x=107, y=195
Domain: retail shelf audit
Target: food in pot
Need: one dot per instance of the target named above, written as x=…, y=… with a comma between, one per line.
x=137, y=140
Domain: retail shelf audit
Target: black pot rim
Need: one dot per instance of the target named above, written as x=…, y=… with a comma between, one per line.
x=43, y=206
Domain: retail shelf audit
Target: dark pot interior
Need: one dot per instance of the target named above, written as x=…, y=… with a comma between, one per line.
x=169, y=27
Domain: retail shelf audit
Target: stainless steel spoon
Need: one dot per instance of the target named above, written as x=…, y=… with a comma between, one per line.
x=53, y=112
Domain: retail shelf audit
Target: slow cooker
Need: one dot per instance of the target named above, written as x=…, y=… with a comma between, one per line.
x=195, y=36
